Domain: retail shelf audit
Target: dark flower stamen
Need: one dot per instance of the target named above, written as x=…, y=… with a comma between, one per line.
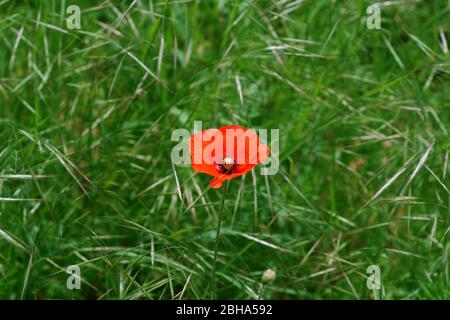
x=227, y=166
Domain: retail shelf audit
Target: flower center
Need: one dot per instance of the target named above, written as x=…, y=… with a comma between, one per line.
x=227, y=166
x=228, y=163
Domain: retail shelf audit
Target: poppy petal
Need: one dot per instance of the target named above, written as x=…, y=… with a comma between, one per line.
x=215, y=183
x=197, y=146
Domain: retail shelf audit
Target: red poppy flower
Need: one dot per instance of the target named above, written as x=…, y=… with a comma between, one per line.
x=226, y=153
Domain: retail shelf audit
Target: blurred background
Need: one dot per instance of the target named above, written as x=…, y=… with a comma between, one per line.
x=86, y=117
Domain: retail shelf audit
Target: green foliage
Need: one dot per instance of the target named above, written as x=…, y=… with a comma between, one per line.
x=86, y=179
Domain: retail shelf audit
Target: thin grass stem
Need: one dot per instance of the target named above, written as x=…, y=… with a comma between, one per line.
x=216, y=246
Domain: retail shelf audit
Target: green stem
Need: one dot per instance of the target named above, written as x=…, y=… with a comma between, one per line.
x=219, y=223
x=261, y=291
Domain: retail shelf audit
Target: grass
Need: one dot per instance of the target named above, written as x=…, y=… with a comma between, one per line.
x=86, y=118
